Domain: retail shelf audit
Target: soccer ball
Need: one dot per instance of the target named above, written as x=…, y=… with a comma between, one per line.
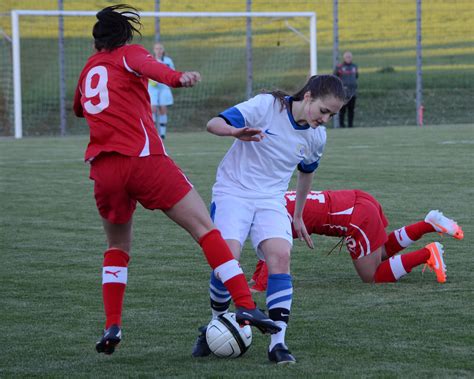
x=226, y=338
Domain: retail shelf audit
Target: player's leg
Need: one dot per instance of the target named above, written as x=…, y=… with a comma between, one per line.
x=162, y=120
x=366, y=235
x=394, y=268
x=261, y=280
x=366, y=241
x=271, y=236
x=366, y=266
x=256, y=273
x=220, y=302
x=168, y=189
x=279, y=295
x=350, y=111
x=114, y=282
x=342, y=115
x=434, y=221
x=191, y=214
x=116, y=208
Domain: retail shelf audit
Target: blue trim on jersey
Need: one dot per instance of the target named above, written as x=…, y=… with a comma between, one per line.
x=233, y=117
x=295, y=125
x=212, y=210
x=278, y=282
x=308, y=168
x=279, y=300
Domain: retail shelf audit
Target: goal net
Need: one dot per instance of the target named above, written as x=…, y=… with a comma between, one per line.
x=6, y=85
x=282, y=55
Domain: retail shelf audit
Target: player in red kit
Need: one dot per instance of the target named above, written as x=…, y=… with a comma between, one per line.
x=358, y=217
x=129, y=164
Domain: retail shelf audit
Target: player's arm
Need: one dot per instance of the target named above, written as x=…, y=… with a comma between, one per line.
x=140, y=61
x=221, y=126
x=303, y=186
x=242, y=121
x=78, y=111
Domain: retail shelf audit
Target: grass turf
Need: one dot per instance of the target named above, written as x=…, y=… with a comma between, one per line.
x=52, y=242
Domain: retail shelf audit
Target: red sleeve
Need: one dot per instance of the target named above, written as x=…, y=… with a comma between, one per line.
x=78, y=111
x=141, y=61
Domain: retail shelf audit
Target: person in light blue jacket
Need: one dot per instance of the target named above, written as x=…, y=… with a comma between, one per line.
x=160, y=94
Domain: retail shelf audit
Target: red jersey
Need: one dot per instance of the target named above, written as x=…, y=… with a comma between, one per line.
x=112, y=95
x=326, y=212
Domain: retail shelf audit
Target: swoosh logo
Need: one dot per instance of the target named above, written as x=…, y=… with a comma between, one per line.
x=436, y=262
x=267, y=131
x=248, y=314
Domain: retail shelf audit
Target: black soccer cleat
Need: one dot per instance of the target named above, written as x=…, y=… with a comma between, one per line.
x=255, y=317
x=111, y=338
x=281, y=355
x=201, y=348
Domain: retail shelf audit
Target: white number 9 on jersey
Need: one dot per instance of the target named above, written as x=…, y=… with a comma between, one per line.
x=99, y=90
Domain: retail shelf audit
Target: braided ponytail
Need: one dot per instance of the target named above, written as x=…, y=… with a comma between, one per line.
x=116, y=26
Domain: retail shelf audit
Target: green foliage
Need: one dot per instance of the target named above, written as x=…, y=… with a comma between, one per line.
x=52, y=243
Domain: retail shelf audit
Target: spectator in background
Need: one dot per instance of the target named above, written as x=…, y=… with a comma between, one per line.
x=348, y=73
x=160, y=94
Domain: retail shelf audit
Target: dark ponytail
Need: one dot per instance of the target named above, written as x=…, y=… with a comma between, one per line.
x=319, y=86
x=115, y=28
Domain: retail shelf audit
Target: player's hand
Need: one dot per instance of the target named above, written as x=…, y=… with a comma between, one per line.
x=190, y=78
x=300, y=230
x=248, y=134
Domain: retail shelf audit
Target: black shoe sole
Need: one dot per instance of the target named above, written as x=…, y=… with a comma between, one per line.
x=107, y=347
x=262, y=326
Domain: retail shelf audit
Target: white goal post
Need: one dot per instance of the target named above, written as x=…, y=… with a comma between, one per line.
x=16, y=16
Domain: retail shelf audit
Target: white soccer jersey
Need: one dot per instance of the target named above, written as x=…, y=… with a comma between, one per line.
x=264, y=169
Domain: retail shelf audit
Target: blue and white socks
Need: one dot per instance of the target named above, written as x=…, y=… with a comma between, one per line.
x=279, y=298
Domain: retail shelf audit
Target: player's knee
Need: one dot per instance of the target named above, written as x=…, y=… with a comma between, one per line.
x=279, y=263
x=368, y=279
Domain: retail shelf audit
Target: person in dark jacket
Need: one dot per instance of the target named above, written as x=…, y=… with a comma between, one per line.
x=348, y=73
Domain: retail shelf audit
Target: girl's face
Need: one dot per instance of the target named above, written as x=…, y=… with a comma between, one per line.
x=158, y=50
x=320, y=110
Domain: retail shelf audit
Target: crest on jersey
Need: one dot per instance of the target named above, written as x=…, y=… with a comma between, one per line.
x=301, y=150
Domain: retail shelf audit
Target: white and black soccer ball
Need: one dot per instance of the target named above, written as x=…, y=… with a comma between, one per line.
x=226, y=338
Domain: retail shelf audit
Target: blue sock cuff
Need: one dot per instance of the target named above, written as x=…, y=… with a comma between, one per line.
x=280, y=277
x=278, y=283
x=216, y=282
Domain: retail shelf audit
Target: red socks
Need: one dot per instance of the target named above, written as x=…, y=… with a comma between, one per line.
x=114, y=281
x=226, y=268
x=401, y=238
x=397, y=266
x=258, y=268
x=261, y=277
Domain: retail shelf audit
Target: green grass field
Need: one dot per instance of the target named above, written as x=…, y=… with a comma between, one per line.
x=52, y=243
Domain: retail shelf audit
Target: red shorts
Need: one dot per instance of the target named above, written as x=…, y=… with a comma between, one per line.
x=366, y=230
x=155, y=181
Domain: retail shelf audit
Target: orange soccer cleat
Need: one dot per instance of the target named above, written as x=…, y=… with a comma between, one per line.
x=444, y=225
x=436, y=262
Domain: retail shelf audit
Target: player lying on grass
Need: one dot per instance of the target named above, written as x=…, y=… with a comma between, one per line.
x=358, y=217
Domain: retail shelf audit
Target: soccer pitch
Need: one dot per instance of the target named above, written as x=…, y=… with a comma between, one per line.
x=52, y=241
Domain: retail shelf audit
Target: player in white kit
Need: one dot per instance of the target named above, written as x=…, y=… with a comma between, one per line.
x=275, y=133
